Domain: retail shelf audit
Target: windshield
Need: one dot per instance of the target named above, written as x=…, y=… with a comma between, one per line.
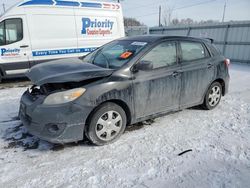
x=115, y=54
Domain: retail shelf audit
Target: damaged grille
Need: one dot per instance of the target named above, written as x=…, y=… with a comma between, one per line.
x=49, y=88
x=46, y=89
x=34, y=92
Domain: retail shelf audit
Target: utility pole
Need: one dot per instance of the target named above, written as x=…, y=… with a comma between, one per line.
x=159, y=16
x=224, y=11
x=4, y=7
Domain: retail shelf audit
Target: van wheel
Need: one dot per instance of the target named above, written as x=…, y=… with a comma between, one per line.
x=107, y=124
x=213, y=96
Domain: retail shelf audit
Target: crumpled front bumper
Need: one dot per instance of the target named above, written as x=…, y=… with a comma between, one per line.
x=54, y=123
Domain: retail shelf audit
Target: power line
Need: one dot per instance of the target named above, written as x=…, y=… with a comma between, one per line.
x=147, y=15
x=201, y=3
x=147, y=5
x=196, y=4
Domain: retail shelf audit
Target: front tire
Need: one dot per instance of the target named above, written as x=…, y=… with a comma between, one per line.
x=213, y=96
x=106, y=124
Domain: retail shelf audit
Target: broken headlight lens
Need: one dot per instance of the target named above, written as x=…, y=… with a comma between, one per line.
x=64, y=96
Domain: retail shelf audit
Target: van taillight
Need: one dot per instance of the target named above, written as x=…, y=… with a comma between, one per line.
x=227, y=62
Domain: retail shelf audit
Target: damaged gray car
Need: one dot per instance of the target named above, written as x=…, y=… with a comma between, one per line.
x=123, y=82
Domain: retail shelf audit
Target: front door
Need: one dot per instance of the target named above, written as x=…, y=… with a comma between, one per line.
x=158, y=90
x=14, y=46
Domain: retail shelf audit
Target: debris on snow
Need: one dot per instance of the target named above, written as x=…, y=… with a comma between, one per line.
x=184, y=152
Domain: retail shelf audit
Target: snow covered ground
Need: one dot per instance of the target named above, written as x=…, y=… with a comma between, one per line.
x=145, y=156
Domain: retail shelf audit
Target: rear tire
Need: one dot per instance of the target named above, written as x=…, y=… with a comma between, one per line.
x=213, y=96
x=106, y=124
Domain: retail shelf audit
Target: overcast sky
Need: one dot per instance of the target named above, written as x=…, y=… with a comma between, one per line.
x=146, y=11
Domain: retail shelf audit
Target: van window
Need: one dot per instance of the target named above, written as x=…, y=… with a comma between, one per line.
x=192, y=51
x=164, y=54
x=2, y=40
x=11, y=31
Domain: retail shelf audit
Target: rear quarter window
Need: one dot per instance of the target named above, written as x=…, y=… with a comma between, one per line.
x=192, y=51
x=214, y=50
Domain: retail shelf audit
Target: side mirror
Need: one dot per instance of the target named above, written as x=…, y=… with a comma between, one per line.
x=144, y=65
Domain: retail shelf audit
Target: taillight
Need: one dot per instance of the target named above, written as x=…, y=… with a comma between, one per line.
x=227, y=62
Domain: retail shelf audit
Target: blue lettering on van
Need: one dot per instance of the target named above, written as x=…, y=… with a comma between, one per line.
x=96, y=27
x=10, y=52
x=62, y=51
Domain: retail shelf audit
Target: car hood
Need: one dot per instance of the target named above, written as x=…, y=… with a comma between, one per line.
x=65, y=70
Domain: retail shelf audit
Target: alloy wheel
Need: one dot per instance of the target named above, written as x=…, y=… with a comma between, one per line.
x=214, y=96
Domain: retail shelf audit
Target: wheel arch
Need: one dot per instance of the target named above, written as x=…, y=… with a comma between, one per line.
x=222, y=82
x=118, y=102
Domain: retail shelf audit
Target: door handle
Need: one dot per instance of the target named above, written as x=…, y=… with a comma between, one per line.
x=209, y=65
x=175, y=74
x=24, y=46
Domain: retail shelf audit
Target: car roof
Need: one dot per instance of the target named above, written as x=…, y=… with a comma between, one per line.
x=154, y=38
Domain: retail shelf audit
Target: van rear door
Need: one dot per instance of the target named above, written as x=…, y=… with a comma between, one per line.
x=14, y=46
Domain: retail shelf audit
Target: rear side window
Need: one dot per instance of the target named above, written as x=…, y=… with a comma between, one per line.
x=192, y=51
x=214, y=50
x=11, y=31
x=164, y=54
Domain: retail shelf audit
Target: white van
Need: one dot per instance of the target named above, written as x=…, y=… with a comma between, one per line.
x=36, y=31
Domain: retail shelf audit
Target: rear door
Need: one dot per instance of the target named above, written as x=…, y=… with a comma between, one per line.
x=198, y=72
x=14, y=45
x=158, y=90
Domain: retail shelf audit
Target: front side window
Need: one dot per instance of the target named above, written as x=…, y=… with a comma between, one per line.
x=192, y=51
x=164, y=54
x=11, y=31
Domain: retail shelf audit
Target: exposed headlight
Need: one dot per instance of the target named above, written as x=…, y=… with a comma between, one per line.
x=64, y=97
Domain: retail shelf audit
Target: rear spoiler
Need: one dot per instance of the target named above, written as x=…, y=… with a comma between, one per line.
x=209, y=39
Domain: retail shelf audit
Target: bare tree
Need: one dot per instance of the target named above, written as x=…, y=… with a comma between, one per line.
x=189, y=21
x=132, y=22
x=175, y=21
x=167, y=15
